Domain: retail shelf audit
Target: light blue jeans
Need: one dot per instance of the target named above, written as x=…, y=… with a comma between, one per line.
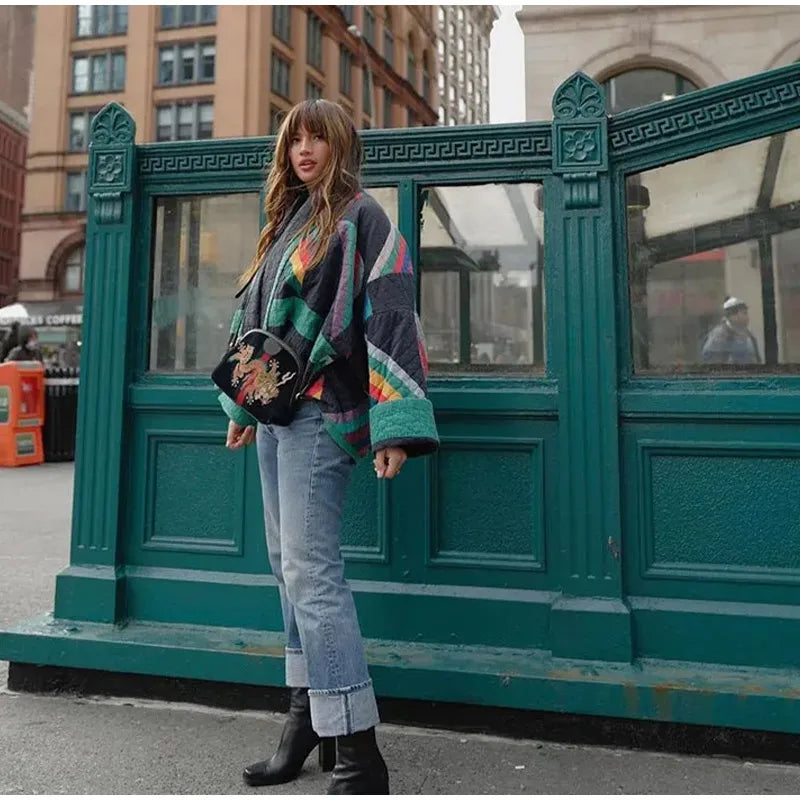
x=304, y=476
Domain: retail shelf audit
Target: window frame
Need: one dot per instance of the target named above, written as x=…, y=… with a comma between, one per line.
x=90, y=59
x=345, y=71
x=118, y=22
x=317, y=93
x=278, y=59
x=63, y=289
x=199, y=13
x=285, y=16
x=174, y=107
x=176, y=48
x=88, y=116
x=82, y=203
x=314, y=36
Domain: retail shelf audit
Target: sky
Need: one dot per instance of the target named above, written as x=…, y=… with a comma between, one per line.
x=506, y=69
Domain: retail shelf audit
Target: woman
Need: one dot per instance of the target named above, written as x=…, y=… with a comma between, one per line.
x=332, y=278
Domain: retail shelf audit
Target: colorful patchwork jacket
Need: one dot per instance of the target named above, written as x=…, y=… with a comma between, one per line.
x=352, y=320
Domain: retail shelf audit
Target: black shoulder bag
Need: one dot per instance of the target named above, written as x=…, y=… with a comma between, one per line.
x=261, y=373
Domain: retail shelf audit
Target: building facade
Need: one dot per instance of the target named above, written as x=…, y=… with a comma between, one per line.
x=17, y=25
x=13, y=145
x=16, y=64
x=197, y=72
x=649, y=53
x=463, y=54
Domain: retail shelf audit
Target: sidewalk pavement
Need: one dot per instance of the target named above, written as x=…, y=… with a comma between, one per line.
x=92, y=745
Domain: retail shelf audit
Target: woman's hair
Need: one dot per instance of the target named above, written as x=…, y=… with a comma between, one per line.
x=331, y=193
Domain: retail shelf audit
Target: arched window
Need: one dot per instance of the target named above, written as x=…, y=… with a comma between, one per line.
x=71, y=281
x=640, y=87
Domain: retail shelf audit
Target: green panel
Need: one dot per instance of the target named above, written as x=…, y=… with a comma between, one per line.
x=754, y=635
x=471, y=480
x=364, y=531
x=710, y=510
x=730, y=486
x=189, y=502
x=5, y=404
x=178, y=517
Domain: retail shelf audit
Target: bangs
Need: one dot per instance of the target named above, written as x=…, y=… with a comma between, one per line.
x=309, y=115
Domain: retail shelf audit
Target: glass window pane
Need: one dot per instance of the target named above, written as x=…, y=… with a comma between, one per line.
x=168, y=16
x=205, y=120
x=166, y=65
x=100, y=73
x=80, y=75
x=118, y=71
x=77, y=131
x=188, y=15
x=388, y=98
x=640, y=87
x=84, y=26
x=202, y=245
x=208, y=56
x=208, y=13
x=164, y=120
x=713, y=268
x=72, y=277
x=120, y=19
x=186, y=122
x=76, y=191
x=188, y=55
x=482, y=278
x=102, y=17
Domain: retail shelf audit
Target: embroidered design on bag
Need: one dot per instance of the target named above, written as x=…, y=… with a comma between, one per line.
x=257, y=380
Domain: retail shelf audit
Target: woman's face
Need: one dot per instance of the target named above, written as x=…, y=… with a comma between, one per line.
x=309, y=154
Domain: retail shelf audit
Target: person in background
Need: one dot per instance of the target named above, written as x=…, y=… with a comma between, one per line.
x=28, y=347
x=731, y=342
x=10, y=342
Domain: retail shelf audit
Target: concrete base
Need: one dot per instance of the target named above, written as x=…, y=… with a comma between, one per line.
x=653, y=690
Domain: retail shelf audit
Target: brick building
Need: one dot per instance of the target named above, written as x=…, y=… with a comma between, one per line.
x=195, y=72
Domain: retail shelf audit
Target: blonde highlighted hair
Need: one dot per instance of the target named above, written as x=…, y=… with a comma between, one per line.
x=331, y=193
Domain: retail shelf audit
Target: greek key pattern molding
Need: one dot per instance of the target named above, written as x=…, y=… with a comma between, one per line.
x=188, y=163
x=676, y=121
x=384, y=154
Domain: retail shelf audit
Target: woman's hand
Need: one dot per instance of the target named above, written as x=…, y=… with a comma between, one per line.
x=389, y=461
x=239, y=435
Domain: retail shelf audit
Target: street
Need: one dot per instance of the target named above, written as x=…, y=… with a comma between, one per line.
x=81, y=745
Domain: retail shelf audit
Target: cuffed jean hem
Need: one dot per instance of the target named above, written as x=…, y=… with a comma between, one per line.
x=340, y=712
x=296, y=668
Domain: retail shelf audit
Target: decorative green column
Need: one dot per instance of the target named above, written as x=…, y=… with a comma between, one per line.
x=590, y=618
x=91, y=588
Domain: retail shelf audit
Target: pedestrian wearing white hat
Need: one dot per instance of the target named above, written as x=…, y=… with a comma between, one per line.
x=731, y=342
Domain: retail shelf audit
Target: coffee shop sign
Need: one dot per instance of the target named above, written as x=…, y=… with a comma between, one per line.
x=52, y=320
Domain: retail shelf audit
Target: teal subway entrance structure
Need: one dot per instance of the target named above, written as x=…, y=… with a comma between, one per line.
x=612, y=524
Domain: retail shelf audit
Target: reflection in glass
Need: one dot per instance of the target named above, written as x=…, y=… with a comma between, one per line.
x=714, y=261
x=386, y=197
x=481, y=273
x=202, y=244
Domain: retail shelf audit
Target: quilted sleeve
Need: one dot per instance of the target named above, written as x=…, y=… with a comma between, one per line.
x=400, y=414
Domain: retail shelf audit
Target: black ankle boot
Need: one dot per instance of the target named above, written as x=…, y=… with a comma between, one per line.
x=297, y=741
x=360, y=768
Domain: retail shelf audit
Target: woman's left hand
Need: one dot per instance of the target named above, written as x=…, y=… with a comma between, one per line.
x=389, y=461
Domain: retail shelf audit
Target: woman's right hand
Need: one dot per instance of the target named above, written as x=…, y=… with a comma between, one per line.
x=239, y=435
